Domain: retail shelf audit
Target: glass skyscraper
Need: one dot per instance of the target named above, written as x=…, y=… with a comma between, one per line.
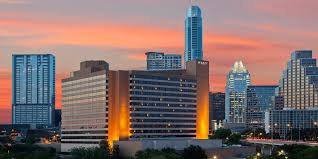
x=237, y=81
x=33, y=89
x=193, y=34
x=259, y=99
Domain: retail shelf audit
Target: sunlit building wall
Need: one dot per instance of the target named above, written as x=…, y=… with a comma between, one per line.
x=85, y=106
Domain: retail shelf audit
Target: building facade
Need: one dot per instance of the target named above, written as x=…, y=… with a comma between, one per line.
x=57, y=117
x=85, y=106
x=217, y=109
x=299, y=82
x=259, y=99
x=157, y=61
x=162, y=106
x=296, y=106
x=136, y=105
x=238, y=80
x=193, y=34
x=283, y=122
x=33, y=89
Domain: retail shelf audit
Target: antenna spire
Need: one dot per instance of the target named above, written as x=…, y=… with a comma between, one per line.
x=193, y=2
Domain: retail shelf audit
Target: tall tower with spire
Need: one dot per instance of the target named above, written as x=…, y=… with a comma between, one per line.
x=193, y=34
x=237, y=81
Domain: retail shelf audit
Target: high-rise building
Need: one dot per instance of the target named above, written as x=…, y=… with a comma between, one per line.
x=217, y=110
x=297, y=101
x=193, y=34
x=103, y=104
x=235, y=97
x=85, y=110
x=299, y=82
x=217, y=106
x=158, y=61
x=57, y=117
x=33, y=89
x=259, y=99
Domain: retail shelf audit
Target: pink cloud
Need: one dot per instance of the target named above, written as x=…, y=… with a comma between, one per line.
x=287, y=8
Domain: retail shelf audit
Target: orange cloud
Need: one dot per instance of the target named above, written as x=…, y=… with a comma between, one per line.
x=221, y=49
x=59, y=33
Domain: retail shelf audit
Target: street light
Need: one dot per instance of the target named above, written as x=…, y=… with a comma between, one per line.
x=214, y=157
x=315, y=126
x=281, y=152
x=291, y=132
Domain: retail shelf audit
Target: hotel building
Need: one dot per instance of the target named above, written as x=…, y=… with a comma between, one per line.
x=101, y=104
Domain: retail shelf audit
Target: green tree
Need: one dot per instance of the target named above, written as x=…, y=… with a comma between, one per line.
x=222, y=134
x=194, y=152
x=148, y=154
x=101, y=152
x=104, y=149
x=78, y=153
x=170, y=153
x=26, y=151
x=234, y=139
x=38, y=154
x=166, y=153
x=116, y=153
x=309, y=153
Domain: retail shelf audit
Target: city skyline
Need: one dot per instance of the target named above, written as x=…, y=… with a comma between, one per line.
x=263, y=40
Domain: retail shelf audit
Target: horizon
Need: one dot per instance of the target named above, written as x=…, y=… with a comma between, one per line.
x=261, y=36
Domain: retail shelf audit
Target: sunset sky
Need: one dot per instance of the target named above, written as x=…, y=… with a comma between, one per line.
x=261, y=33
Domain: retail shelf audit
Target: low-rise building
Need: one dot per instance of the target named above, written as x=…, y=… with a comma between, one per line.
x=283, y=122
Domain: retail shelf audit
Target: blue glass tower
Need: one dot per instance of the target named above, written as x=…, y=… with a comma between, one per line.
x=33, y=89
x=193, y=35
x=235, y=97
x=259, y=99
